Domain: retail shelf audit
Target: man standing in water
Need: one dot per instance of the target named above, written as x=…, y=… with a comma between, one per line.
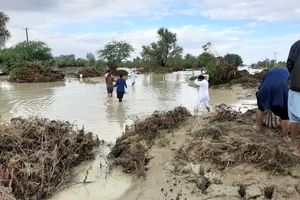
x=293, y=65
x=109, y=84
x=107, y=72
x=120, y=84
x=203, y=95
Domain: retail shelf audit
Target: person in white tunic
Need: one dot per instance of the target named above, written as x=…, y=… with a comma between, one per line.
x=133, y=77
x=203, y=94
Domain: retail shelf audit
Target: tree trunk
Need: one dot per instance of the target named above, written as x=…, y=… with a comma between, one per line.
x=113, y=69
x=163, y=64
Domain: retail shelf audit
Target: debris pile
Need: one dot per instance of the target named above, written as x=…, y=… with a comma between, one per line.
x=5, y=193
x=130, y=150
x=90, y=72
x=32, y=72
x=37, y=155
x=225, y=113
x=229, y=139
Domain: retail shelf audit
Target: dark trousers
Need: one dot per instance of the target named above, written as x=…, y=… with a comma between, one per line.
x=120, y=96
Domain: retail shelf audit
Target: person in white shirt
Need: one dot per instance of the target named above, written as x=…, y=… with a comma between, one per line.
x=133, y=77
x=203, y=94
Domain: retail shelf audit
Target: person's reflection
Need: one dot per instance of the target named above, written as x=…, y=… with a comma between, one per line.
x=121, y=113
x=116, y=112
x=133, y=90
x=110, y=109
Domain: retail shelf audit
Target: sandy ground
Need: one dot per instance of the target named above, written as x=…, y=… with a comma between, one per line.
x=171, y=178
x=159, y=180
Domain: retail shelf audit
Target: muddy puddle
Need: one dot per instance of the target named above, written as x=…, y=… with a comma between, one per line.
x=85, y=102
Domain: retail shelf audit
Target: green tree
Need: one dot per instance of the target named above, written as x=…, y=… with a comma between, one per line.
x=281, y=64
x=100, y=64
x=4, y=33
x=267, y=63
x=163, y=50
x=115, y=52
x=137, y=62
x=190, y=61
x=176, y=62
x=91, y=60
x=233, y=59
x=26, y=51
x=208, y=62
x=65, y=60
x=81, y=62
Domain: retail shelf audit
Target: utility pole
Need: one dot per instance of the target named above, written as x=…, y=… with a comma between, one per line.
x=26, y=29
x=275, y=58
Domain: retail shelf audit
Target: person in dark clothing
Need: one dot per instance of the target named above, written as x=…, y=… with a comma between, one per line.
x=121, y=85
x=273, y=95
x=293, y=65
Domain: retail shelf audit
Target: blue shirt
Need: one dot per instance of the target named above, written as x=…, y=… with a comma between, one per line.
x=273, y=90
x=121, y=84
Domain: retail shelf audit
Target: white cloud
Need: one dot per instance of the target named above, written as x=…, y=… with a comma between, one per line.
x=191, y=38
x=251, y=25
x=265, y=10
x=54, y=12
x=42, y=17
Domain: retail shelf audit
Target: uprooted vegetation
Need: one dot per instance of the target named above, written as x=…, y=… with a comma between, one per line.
x=90, y=72
x=230, y=75
x=131, y=149
x=5, y=193
x=37, y=155
x=227, y=158
x=32, y=72
x=229, y=139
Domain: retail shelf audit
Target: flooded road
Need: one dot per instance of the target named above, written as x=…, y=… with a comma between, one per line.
x=86, y=103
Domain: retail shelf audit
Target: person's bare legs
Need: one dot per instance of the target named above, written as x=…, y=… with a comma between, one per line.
x=285, y=124
x=259, y=115
x=294, y=128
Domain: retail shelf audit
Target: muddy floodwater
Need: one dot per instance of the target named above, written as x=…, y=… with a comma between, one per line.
x=85, y=103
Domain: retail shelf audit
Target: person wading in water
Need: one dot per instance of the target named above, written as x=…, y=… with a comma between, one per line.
x=121, y=85
x=109, y=84
x=203, y=94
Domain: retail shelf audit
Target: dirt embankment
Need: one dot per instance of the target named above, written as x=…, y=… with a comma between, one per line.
x=220, y=156
x=38, y=154
x=131, y=149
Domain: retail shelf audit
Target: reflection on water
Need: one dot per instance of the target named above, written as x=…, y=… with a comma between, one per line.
x=86, y=103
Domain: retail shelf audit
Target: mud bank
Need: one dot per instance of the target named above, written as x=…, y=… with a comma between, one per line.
x=219, y=156
x=38, y=154
x=131, y=149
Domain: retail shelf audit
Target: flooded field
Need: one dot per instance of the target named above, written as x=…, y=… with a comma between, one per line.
x=85, y=103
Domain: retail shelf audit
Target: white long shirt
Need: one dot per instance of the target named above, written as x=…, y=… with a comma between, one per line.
x=133, y=76
x=203, y=94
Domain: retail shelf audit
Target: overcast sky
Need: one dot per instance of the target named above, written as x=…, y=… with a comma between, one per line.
x=255, y=29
